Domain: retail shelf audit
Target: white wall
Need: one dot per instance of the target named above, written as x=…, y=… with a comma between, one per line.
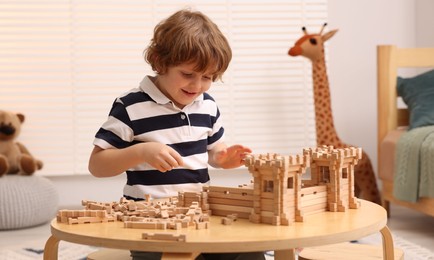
x=352, y=73
x=424, y=23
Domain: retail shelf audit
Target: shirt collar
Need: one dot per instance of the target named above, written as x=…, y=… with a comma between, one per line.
x=151, y=89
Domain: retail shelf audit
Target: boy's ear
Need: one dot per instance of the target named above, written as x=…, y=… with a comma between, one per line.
x=156, y=65
x=160, y=69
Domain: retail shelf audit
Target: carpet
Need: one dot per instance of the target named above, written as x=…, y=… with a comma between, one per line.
x=35, y=251
x=411, y=250
x=70, y=251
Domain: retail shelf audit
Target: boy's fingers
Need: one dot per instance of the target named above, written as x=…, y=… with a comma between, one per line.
x=248, y=150
x=237, y=147
x=164, y=166
x=177, y=158
x=241, y=149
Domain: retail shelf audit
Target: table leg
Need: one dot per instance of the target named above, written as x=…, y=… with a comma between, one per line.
x=51, y=248
x=284, y=254
x=388, y=251
x=179, y=256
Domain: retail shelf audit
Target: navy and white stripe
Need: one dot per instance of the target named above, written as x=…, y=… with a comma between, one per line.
x=144, y=114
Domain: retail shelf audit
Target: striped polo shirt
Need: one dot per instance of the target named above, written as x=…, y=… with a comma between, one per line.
x=145, y=114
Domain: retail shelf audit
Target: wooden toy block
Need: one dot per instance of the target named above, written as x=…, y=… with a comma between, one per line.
x=227, y=221
x=85, y=220
x=202, y=225
x=254, y=218
x=242, y=196
x=185, y=223
x=165, y=236
x=164, y=214
x=131, y=224
x=132, y=206
x=230, y=190
x=85, y=216
x=341, y=208
x=134, y=218
x=231, y=209
x=234, y=216
x=267, y=207
x=233, y=202
x=86, y=202
x=305, y=202
x=174, y=225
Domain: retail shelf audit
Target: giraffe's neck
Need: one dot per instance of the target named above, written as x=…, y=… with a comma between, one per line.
x=325, y=130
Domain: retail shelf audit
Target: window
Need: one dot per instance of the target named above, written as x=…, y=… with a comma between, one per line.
x=268, y=186
x=290, y=183
x=325, y=173
x=345, y=173
x=63, y=62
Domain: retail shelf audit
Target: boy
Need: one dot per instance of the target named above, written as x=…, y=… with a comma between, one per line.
x=166, y=132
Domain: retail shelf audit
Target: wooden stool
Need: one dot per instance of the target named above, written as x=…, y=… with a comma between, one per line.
x=110, y=254
x=344, y=251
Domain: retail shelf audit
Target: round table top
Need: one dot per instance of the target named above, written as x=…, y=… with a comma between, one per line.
x=242, y=236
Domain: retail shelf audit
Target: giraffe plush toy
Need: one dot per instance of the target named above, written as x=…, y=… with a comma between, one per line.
x=311, y=46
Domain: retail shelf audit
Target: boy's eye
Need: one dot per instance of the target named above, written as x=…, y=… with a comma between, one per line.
x=186, y=74
x=207, y=77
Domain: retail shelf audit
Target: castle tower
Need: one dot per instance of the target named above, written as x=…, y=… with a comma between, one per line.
x=277, y=182
x=334, y=168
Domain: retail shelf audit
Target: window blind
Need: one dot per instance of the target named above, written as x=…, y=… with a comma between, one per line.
x=63, y=62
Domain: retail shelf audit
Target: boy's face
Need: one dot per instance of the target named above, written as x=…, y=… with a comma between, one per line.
x=182, y=84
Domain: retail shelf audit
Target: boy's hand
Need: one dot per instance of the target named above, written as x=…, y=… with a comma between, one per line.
x=231, y=157
x=162, y=157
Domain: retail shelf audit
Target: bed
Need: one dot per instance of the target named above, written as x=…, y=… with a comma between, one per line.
x=392, y=120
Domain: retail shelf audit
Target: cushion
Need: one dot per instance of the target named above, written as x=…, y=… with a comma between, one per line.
x=418, y=94
x=26, y=201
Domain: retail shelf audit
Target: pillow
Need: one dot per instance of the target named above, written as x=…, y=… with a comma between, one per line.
x=26, y=201
x=418, y=94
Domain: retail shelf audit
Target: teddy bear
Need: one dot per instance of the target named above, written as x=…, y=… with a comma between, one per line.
x=14, y=156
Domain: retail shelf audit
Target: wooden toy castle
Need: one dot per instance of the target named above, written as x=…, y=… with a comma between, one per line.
x=280, y=195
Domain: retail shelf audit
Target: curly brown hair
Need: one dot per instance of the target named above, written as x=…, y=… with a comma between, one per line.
x=189, y=37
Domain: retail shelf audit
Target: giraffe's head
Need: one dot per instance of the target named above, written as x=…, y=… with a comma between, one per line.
x=311, y=46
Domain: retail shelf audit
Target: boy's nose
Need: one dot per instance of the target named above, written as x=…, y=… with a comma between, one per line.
x=196, y=85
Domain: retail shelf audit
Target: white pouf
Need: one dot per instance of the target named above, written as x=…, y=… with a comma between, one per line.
x=26, y=201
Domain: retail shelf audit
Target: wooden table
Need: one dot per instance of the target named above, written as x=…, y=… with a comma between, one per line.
x=242, y=236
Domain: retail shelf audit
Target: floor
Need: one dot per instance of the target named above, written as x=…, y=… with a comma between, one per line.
x=413, y=226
